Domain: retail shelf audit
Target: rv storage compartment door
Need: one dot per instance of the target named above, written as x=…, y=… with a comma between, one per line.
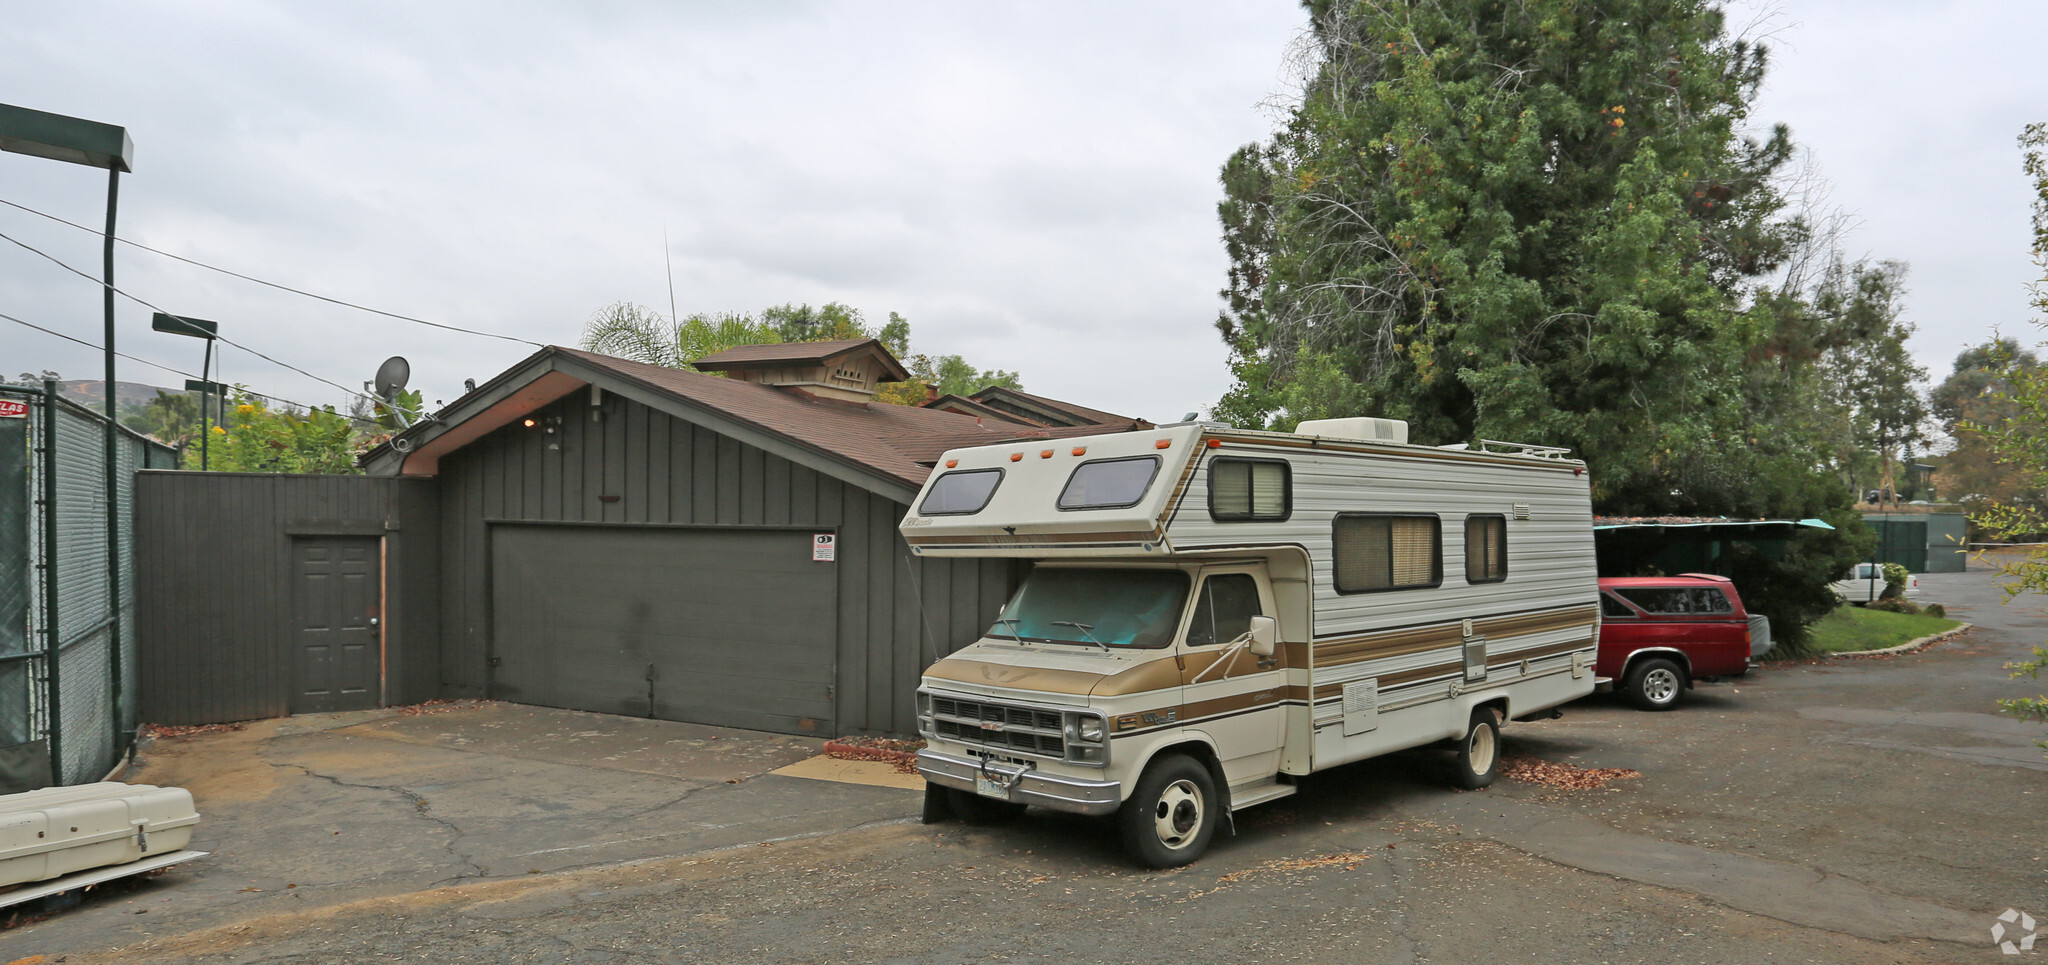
x=58, y=830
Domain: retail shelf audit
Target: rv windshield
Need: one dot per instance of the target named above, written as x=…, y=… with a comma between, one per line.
x=1091, y=607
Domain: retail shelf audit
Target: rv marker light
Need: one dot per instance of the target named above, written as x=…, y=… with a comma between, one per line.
x=1045, y=453
x=1215, y=443
x=1080, y=450
x=1163, y=443
x=1016, y=457
x=950, y=463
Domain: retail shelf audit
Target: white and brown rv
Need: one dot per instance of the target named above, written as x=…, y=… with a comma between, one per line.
x=1214, y=612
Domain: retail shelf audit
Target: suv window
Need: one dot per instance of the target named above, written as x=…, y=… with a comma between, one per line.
x=1225, y=609
x=1677, y=600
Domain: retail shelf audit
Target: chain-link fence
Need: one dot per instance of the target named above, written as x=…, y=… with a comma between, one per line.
x=67, y=658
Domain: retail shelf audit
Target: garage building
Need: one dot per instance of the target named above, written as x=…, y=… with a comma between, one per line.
x=592, y=533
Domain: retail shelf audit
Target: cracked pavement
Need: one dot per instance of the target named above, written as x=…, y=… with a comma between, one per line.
x=1869, y=810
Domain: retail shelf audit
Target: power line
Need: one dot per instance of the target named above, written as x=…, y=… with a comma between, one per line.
x=59, y=263
x=159, y=365
x=271, y=284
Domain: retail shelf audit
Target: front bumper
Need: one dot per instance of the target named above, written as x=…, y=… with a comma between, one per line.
x=1034, y=787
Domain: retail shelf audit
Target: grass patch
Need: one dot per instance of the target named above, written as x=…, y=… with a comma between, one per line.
x=1853, y=628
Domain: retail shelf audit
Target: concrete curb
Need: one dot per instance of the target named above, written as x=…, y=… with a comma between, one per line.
x=1907, y=647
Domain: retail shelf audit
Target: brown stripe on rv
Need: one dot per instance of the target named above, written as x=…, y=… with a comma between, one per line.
x=1496, y=660
x=1016, y=678
x=1389, y=681
x=1397, y=643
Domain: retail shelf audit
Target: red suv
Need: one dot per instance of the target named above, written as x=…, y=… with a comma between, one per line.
x=1658, y=634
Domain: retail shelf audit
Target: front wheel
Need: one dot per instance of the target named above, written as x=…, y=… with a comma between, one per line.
x=1479, y=752
x=1655, y=684
x=1169, y=818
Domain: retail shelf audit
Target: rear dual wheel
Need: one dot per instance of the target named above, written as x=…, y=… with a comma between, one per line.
x=1479, y=752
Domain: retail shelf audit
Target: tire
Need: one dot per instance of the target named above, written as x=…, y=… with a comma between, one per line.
x=975, y=809
x=1654, y=684
x=1171, y=815
x=1479, y=751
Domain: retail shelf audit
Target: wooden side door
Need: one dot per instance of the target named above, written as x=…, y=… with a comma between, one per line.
x=337, y=610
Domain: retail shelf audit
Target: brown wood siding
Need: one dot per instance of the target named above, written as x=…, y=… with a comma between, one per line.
x=665, y=471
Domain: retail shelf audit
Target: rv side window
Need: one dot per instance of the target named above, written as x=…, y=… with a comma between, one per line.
x=1242, y=490
x=1224, y=610
x=960, y=493
x=1109, y=483
x=1486, y=549
x=1375, y=552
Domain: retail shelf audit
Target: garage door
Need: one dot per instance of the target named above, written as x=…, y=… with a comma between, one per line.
x=728, y=627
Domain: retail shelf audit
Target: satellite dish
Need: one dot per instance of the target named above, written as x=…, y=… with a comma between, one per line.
x=391, y=377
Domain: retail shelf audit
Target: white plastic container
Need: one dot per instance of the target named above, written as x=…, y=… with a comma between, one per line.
x=59, y=830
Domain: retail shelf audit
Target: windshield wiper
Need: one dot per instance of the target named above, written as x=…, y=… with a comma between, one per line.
x=1084, y=628
x=1015, y=633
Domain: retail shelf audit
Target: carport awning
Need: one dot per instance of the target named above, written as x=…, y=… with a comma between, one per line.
x=1705, y=526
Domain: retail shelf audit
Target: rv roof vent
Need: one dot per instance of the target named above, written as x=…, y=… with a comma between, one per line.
x=1365, y=430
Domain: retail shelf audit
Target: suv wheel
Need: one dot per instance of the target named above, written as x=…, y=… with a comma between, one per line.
x=1655, y=684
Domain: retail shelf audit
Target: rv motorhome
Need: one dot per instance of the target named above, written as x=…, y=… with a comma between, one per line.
x=1213, y=613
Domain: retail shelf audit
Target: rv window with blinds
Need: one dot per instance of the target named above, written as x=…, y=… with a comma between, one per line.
x=1486, y=549
x=1109, y=483
x=960, y=493
x=1384, y=552
x=1248, y=490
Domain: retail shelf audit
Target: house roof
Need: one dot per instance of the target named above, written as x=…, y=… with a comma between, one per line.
x=967, y=406
x=1065, y=413
x=802, y=353
x=892, y=446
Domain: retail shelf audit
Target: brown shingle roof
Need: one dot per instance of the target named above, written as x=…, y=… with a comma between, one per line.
x=798, y=353
x=895, y=440
x=1079, y=413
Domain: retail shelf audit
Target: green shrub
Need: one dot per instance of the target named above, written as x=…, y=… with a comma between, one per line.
x=1895, y=605
x=1935, y=610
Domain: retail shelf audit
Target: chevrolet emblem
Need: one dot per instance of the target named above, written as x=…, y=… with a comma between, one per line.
x=990, y=725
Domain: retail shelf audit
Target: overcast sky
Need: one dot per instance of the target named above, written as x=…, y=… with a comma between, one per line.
x=1032, y=185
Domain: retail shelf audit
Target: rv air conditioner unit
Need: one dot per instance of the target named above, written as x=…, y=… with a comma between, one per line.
x=1363, y=430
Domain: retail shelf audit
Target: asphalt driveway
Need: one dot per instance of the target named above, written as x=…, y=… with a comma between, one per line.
x=1861, y=810
x=325, y=809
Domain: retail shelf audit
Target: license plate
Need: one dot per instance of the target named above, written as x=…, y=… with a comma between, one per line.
x=987, y=788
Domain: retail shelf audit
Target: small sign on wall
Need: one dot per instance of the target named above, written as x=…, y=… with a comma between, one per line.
x=824, y=546
x=11, y=409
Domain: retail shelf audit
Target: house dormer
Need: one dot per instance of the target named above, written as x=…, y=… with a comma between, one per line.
x=845, y=369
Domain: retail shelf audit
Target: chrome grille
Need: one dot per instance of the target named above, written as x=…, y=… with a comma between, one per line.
x=1006, y=726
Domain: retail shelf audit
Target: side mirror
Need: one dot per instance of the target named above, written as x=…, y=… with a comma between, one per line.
x=1265, y=633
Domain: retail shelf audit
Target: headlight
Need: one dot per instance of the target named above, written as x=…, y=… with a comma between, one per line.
x=1091, y=729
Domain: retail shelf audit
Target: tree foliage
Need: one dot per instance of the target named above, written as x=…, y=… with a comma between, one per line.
x=2017, y=439
x=637, y=332
x=1543, y=221
x=1977, y=393
x=257, y=438
x=172, y=418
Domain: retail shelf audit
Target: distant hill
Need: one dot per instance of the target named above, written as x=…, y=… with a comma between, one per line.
x=93, y=393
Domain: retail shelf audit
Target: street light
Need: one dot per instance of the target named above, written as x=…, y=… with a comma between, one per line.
x=93, y=144
x=204, y=385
